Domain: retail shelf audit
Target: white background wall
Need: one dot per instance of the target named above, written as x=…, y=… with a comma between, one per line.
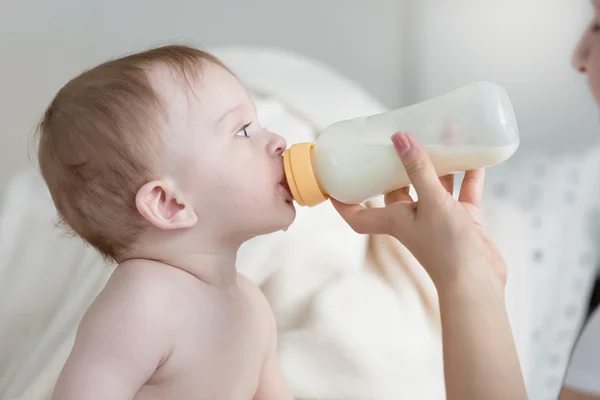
x=402, y=51
x=44, y=42
x=524, y=45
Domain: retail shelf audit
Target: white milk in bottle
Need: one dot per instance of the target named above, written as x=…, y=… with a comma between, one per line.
x=354, y=160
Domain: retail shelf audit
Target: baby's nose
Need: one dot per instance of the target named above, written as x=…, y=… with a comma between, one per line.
x=276, y=144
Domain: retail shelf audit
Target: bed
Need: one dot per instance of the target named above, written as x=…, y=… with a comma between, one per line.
x=347, y=330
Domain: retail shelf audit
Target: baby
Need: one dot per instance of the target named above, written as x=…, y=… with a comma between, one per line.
x=158, y=161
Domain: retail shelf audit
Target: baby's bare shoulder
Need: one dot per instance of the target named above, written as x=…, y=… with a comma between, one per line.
x=139, y=295
x=252, y=290
x=126, y=334
x=258, y=298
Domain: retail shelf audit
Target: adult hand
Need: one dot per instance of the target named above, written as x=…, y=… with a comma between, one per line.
x=445, y=235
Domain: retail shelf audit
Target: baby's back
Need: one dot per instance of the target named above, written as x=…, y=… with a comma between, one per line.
x=174, y=336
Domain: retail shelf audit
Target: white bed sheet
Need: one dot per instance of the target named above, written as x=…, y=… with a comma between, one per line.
x=345, y=332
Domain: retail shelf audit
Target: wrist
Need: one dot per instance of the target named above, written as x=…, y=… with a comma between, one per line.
x=471, y=283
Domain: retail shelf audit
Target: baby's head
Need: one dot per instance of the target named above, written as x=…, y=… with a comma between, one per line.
x=162, y=146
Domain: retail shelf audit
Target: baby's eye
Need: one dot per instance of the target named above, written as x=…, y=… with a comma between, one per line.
x=596, y=27
x=243, y=131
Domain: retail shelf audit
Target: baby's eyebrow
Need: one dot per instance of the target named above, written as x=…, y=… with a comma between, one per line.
x=229, y=113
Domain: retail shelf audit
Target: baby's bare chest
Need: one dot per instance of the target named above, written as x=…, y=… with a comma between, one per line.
x=218, y=351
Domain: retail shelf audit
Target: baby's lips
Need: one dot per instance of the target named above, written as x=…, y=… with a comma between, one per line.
x=286, y=187
x=285, y=184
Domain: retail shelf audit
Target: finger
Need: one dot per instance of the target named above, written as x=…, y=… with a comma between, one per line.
x=419, y=167
x=448, y=183
x=364, y=220
x=471, y=190
x=400, y=195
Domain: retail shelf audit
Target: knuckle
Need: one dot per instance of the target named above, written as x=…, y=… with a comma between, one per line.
x=473, y=181
x=446, y=203
x=439, y=206
x=415, y=166
x=391, y=198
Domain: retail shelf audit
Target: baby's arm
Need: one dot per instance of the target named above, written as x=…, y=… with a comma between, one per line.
x=119, y=345
x=272, y=385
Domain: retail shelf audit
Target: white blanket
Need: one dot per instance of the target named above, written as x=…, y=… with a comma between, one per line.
x=348, y=328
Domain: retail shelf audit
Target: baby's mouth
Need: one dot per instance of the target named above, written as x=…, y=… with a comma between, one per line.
x=289, y=198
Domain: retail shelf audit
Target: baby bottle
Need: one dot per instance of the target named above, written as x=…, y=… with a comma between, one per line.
x=354, y=160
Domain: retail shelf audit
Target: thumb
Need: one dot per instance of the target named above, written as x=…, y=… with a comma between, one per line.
x=364, y=220
x=418, y=166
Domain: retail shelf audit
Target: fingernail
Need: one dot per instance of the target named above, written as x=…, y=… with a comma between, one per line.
x=401, y=143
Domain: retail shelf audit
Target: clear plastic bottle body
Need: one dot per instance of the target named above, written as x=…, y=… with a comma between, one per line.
x=472, y=127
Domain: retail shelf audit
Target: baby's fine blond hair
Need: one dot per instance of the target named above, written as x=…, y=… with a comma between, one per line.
x=99, y=141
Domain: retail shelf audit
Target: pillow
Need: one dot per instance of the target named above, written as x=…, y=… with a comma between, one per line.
x=46, y=283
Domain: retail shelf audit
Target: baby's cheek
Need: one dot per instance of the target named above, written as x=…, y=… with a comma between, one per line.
x=246, y=186
x=244, y=192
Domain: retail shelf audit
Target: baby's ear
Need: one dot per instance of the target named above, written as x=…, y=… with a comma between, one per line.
x=158, y=202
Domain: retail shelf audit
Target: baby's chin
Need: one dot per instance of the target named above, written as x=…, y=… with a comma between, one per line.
x=283, y=219
x=287, y=218
x=291, y=219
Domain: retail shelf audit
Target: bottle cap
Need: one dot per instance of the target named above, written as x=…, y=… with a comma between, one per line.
x=300, y=175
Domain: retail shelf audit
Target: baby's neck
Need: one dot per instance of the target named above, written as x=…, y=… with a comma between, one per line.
x=212, y=263
x=215, y=269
